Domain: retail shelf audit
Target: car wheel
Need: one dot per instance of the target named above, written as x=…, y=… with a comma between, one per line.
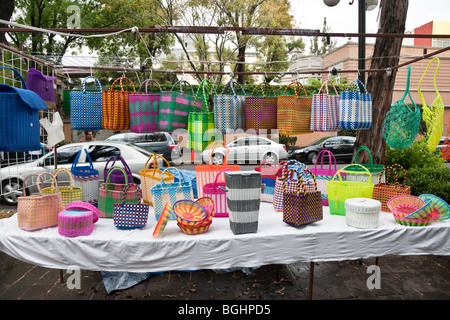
x=312, y=157
x=217, y=158
x=270, y=158
x=11, y=190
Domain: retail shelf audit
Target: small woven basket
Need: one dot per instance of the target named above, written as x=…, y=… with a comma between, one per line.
x=362, y=213
x=68, y=193
x=77, y=219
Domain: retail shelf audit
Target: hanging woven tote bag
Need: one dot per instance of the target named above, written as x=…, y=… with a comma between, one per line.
x=206, y=173
x=325, y=109
x=402, y=122
x=86, y=107
x=260, y=112
x=111, y=193
x=144, y=108
x=201, y=123
x=432, y=115
x=359, y=174
x=152, y=176
x=116, y=176
x=170, y=193
x=19, y=117
x=384, y=192
x=68, y=193
x=291, y=183
x=323, y=175
x=294, y=112
x=218, y=195
x=229, y=114
x=175, y=107
x=115, y=106
x=301, y=207
x=40, y=211
x=87, y=178
x=340, y=190
x=355, y=108
x=43, y=86
x=130, y=215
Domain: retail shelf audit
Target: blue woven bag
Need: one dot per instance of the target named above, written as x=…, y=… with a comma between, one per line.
x=19, y=117
x=86, y=107
x=355, y=108
x=229, y=109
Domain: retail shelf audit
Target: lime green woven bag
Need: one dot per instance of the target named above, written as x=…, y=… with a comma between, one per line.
x=201, y=124
x=433, y=115
x=341, y=190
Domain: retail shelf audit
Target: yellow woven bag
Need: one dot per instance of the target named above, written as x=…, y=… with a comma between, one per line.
x=68, y=193
x=433, y=115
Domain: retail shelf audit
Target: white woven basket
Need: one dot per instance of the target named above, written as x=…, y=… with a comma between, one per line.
x=362, y=213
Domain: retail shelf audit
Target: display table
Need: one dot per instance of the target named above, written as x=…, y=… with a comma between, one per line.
x=111, y=249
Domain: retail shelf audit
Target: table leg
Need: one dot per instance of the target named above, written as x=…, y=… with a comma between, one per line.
x=61, y=277
x=311, y=280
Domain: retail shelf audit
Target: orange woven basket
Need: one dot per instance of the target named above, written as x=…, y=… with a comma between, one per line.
x=115, y=106
x=384, y=192
x=294, y=112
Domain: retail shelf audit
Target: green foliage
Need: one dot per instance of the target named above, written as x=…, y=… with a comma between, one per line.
x=425, y=170
x=288, y=141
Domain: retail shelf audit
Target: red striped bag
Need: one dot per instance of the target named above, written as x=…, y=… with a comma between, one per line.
x=325, y=110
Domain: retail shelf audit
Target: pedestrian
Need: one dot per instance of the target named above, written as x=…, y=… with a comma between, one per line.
x=88, y=136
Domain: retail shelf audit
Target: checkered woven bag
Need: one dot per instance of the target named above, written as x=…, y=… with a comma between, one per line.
x=144, y=109
x=294, y=112
x=355, y=108
x=301, y=207
x=115, y=106
x=131, y=215
x=260, y=112
x=86, y=107
x=325, y=109
x=229, y=114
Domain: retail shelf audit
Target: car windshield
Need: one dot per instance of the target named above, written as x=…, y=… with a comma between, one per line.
x=319, y=141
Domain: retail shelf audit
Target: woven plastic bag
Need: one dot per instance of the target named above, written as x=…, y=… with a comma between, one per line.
x=87, y=178
x=355, y=108
x=111, y=193
x=115, y=106
x=294, y=112
x=144, y=108
x=116, y=176
x=402, y=122
x=152, y=176
x=218, y=195
x=175, y=107
x=325, y=109
x=201, y=123
x=384, y=192
x=229, y=113
x=433, y=115
x=340, y=190
x=260, y=112
x=131, y=215
x=301, y=207
x=165, y=192
x=86, y=107
x=19, y=117
x=323, y=175
x=359, y=174
x=43, y=85
x=206, y=173
x=40, y=211
x=68, y=193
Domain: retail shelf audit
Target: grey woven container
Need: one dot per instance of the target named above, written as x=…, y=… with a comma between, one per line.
x=243, y=200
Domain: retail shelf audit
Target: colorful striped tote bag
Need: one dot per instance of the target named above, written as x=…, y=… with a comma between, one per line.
x=261, y=112
x=144, y=108
x=355, y=108
x=115, y=105
x=229, y=114
x=325, y=109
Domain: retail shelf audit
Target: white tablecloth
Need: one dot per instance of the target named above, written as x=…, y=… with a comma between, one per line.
x=275, y=242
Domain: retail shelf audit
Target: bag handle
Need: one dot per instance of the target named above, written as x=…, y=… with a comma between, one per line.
x=24, y=85
x=37, y=184
x=128, y=81
x=75, y=161
x=357, y=82
x=296, y=85
x=125, y=190
x=181, y=82
x=214, y=145
x=204, y=85
x=168, y=171
x=326, y=87
x=407, y=92
x=388, y=170
x=113, y=169
x=218, y=174
x=54, y=182
x=146, y=82
x=330, y=156
x=97, y=82
x=300, y=182
x=286, y=165
x=361, y=148
x=156, y=166
x=262, y=85
x=58, y=171
x=231, y=83
x=434, y=79
x=338, y=173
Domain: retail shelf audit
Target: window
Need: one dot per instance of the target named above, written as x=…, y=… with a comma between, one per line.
x=103, y=153
x=63, y=155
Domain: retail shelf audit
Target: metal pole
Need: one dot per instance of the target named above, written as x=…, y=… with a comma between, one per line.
x=362, y=40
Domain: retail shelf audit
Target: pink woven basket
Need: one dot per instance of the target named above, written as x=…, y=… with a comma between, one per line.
x=219, y=196
x=403, y=205
x=77, y=219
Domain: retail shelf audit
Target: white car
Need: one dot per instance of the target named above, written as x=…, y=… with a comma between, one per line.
x=11, y=177
x=247, y=150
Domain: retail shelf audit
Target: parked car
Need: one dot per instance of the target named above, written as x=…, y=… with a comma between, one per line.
x=162, y=143
x=443, y=148
x=247, y=149
x=340, y=146
x=100, y=152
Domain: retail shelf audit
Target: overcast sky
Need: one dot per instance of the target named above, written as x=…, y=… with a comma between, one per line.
x=343, y=17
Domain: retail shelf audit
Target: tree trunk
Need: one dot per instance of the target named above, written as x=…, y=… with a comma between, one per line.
x=386, y=54
x=5, y=14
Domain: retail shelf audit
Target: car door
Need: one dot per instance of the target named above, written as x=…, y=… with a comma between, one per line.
x=238, y=150
x=347, y=147
x=255, y=150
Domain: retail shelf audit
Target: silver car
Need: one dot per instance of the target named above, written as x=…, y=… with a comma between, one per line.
x=12, y=177
x=247, y=150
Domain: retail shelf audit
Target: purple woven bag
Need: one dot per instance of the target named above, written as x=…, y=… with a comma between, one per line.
x=117, y=176
x=42, y=85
